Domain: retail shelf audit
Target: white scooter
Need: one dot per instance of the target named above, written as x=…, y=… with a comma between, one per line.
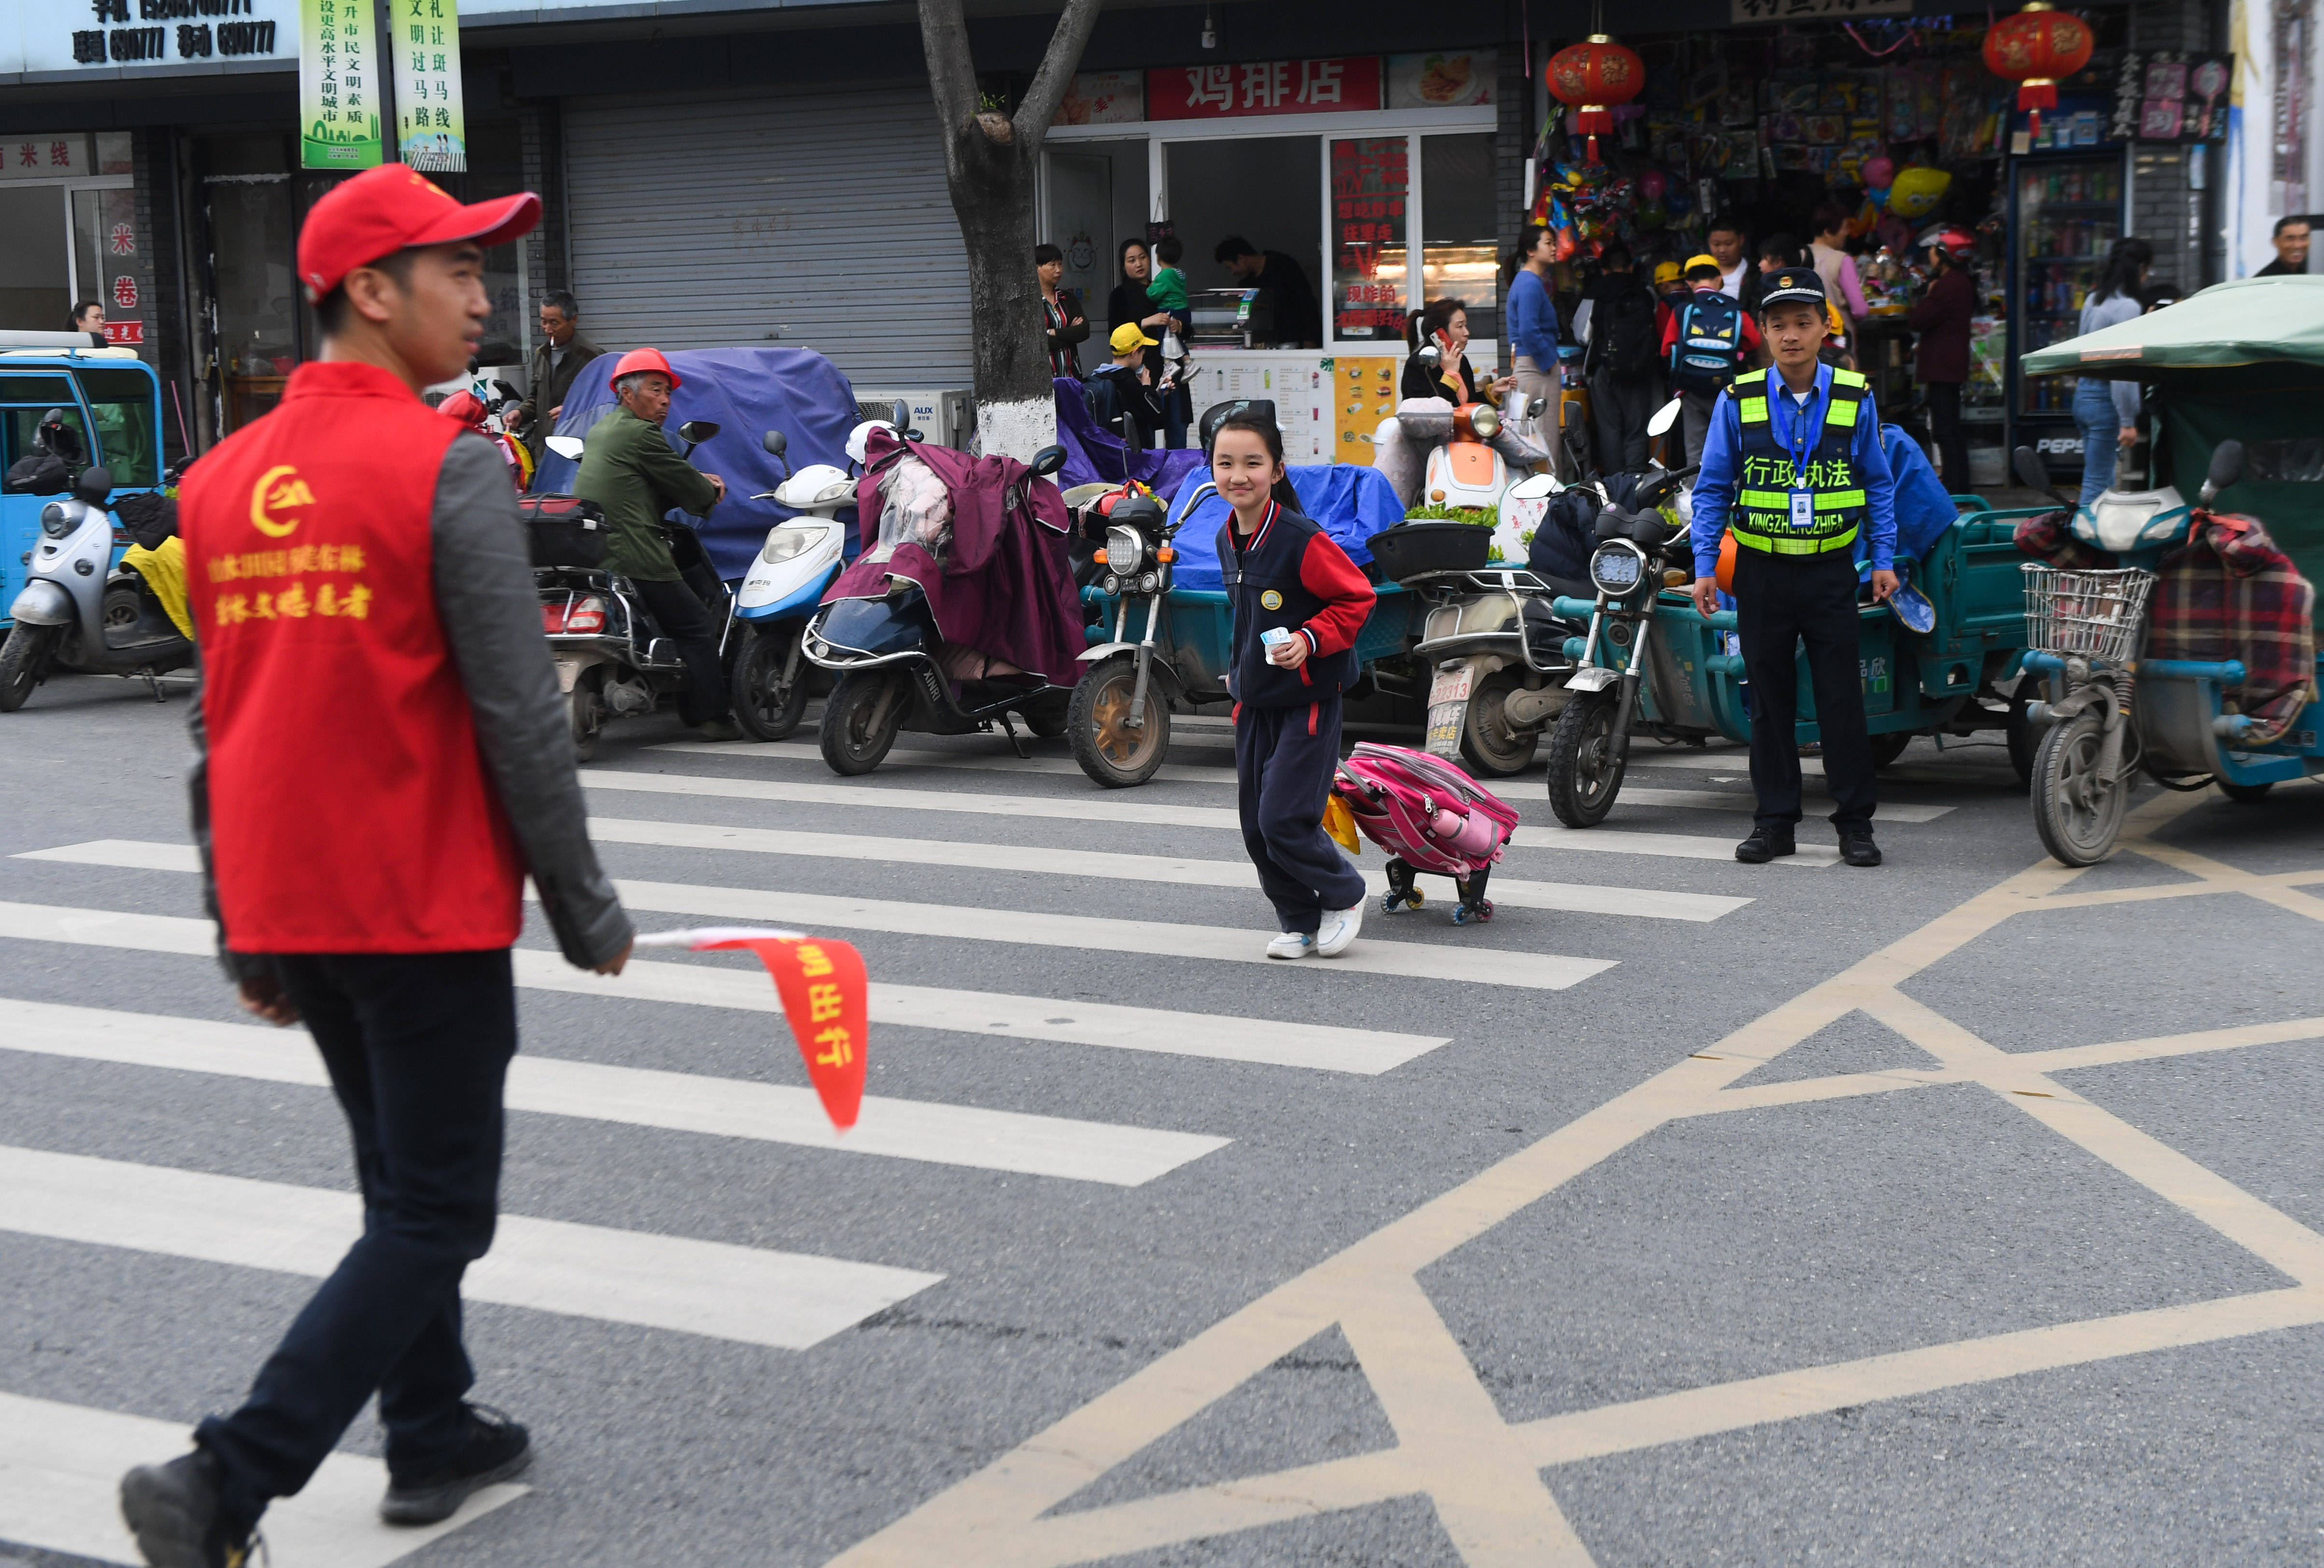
x=73, y=614
x=786, y=582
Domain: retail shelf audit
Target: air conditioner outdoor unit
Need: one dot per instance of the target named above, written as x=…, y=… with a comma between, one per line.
x=945, y=417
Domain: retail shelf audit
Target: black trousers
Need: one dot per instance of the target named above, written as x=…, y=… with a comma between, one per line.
x=418, y=1047
x=1945, y=430
x=1619, y=406
x=1284, y=761
x=679, y=611
x=1782, y=601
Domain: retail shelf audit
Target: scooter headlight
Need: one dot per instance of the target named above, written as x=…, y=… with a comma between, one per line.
x=55, y=521
x=1124, y=548
x=783, y=543
x=1615, y=568
x=1486, y=421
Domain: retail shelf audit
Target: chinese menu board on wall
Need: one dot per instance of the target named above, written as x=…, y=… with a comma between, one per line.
x=2164, y=95
x=1370, y=176
x=431, y=132
x=338, y=100
x=1266, y=87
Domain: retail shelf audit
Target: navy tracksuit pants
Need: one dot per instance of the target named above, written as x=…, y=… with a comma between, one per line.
x=1284, y=761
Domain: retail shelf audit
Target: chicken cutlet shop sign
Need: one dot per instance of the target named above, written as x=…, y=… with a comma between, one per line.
x=146, y=35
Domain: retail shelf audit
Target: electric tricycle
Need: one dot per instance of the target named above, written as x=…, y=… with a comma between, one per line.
x=2234, y=376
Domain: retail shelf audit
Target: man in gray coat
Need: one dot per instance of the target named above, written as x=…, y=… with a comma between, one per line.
x=556, y=360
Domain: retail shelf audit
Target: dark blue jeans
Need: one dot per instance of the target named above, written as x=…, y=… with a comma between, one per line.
x=418, y=1047
x=1284, y=761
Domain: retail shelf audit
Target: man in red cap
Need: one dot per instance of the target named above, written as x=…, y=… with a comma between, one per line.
x=382, y=756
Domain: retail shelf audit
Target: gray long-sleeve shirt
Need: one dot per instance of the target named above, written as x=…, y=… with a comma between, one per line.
x=491, y=616
x=2097, y=315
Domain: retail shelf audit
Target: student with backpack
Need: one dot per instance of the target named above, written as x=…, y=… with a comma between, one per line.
x=1709, y=341
x=1624, y=361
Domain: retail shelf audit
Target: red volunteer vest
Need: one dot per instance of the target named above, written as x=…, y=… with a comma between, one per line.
x=349, y=809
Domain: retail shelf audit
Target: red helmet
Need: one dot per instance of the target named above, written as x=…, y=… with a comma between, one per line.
x=1956, y=243
x=645, y=359
x=465, y=406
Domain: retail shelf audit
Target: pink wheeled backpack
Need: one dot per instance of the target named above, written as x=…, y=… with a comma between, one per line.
x=1429, y=816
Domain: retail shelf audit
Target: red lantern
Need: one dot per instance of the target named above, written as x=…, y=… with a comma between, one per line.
x=1592, y=77
x=2035, y=48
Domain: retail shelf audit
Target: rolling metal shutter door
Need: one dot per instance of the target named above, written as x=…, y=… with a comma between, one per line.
x=813, y=221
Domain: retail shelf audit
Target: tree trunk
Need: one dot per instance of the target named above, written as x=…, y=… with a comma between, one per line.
x=992, y=162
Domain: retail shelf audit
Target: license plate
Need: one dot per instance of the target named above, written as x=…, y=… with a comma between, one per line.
x=1450, y=686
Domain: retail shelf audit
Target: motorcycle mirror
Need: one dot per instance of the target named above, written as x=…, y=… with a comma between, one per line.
x=2227, y=467
x=93, y=486
x=698, y=431
x=1665, y=418
x=900, y=415
x=775, y=442
x=1534, y=486
x=2031, y=471
x=1047, y=461
x=565, y=446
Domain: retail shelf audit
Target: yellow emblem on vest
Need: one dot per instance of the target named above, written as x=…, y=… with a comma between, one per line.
x=277, y=489
x=1271, y=599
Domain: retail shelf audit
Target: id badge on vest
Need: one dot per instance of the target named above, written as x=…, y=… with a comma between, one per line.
x=1803, y=511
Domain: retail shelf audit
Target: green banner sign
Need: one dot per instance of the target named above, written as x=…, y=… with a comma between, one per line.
x=430, y=131
x=338, y=86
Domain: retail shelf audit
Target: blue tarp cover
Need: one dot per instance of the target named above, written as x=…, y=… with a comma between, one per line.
x=1353, y=504
x=1096, y=455
x=1924, y=510
x=745, y=392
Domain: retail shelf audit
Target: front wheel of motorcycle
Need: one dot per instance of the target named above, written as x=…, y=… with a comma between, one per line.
x=1585, y=773
x=763, y=705
x=1111, y=750
x=24, y=660
x=2076, y=816
x=861, y=718
x=1491, y=748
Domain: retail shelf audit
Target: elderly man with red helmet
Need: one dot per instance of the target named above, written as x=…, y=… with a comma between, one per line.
x=629, y=469
x=1942, y=318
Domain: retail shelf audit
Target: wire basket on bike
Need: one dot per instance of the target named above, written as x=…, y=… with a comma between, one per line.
x=2098, y=615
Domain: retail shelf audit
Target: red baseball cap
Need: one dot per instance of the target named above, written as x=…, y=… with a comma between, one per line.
x=390, y=208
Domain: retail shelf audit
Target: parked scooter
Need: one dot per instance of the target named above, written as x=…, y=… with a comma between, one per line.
x=73, y=614
x=771, y=676
x=886, y=654
x=1498, y=647
x=612, y=661
x=1119, y=723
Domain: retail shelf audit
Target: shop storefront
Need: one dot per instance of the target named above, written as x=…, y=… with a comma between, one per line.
x=1375, y=176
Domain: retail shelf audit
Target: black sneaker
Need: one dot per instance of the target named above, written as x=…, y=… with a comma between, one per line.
x=497, y=1449
x=172, y=1511
x=1858, y=848
x=1763, y=845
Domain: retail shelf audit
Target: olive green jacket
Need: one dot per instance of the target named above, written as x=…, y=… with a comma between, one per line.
x=629, y=468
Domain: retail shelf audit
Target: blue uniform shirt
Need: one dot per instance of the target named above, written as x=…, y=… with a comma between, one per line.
x=1794, y=427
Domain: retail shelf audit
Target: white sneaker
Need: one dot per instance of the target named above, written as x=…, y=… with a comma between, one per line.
x=1340, y=929
x=1291, y=945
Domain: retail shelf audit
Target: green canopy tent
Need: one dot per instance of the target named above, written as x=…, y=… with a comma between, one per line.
x=2243, y=359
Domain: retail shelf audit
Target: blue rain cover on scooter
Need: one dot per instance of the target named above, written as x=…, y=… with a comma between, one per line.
x=1923, y=510
x=1352, y=503
x=1096, y=455
x=745, y=392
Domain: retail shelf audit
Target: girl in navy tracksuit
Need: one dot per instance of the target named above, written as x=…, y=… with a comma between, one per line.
x=1283, y=571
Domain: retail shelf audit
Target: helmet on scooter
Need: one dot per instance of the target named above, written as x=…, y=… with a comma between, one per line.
x=860, y=438
x=645, y=359
x=465, y=406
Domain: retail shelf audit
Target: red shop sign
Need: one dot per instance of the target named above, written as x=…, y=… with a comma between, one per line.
x=122, y=334
x=1272, y=86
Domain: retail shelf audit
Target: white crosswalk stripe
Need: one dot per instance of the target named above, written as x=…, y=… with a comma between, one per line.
x=1989, y=767
x=756, y=1296
x=678, y=1102
x=1683, y=846
x=907, y=758
x=61, y=1468
x=1215, y=1036
x=822, y=911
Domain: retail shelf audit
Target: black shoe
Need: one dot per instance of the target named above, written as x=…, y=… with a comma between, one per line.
x=172, y=1511
x=497, y=1449
x=1763, y=845
x=1857, y=847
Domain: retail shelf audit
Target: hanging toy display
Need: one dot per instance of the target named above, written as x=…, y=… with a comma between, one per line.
x=1591, y=78
x=2036, y=49
x=1915, y=192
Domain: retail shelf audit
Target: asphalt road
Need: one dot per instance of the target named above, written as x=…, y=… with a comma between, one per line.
x=1687, y=1213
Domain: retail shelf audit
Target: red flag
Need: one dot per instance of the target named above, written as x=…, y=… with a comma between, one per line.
x=825, y=1000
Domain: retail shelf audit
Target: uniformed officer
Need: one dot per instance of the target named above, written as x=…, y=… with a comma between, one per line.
x=381, y=757
x=1793, y=466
